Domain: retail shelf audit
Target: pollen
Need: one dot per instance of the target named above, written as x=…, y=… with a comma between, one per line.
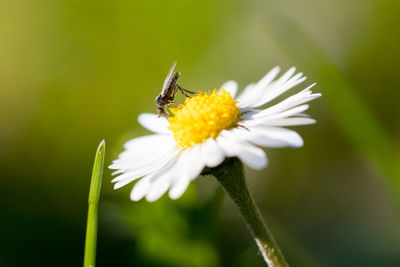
x=203, y=116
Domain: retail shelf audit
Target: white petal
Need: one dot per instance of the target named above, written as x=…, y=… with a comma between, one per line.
x=144, y=142
x=264, y=86
x=196, y=163
x=303, y=115
x=160, y=186
x=146, y=184
x=290, y=102
x=274, y=136
x=175, y=173
x=257, y=138
x=144, y=153
x=278, y=87
x=290, y=112
x=256, y=117
x=231, y=87
x=289, y=121
x=140, y=189
x=252, y=93
x=179, y=188
x=253, y=157
x=125, y=179
x=192, y=167
x=154, y=123
x=143, y=156
x=140, y=171
x=212, y=154
x=245, y=97
x=268, y=78
x=158, y=189
x=227, y=144
x=249, y=154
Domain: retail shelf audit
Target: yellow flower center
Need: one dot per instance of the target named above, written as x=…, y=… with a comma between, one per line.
x=203, y=116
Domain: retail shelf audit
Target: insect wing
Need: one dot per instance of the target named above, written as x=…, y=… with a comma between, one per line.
x=171, y=70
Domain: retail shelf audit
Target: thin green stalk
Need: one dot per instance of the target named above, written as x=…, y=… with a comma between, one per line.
x=231, y=176
x=94, y=195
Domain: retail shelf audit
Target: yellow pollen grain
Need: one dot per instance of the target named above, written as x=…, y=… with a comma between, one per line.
x=203, y=116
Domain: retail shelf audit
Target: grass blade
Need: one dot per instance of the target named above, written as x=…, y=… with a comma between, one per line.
x=94, y=195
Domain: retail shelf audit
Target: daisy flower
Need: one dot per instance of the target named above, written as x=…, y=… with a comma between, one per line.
x=209, y=127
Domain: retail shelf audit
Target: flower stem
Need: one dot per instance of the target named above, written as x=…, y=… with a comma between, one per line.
x=94, y=195
x=231, y=176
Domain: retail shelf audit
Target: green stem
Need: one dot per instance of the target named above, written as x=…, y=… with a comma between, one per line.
x=231, y=176
x=94, y=195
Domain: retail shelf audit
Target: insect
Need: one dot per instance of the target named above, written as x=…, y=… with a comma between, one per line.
x=168, y=92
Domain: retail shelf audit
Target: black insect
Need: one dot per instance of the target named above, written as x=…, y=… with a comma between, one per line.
x=168, y=92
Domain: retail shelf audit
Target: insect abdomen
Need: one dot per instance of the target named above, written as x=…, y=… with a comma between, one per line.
x=173, y=80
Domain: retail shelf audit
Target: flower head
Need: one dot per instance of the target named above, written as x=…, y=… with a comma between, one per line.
x=209, y=127
x=203, y=116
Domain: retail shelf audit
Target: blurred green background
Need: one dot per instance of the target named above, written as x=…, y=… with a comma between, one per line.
x=75, y=72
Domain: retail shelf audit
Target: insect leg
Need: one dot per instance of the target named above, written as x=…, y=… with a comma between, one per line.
x=167, y=113
x=187, y=91
x=183, y=91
